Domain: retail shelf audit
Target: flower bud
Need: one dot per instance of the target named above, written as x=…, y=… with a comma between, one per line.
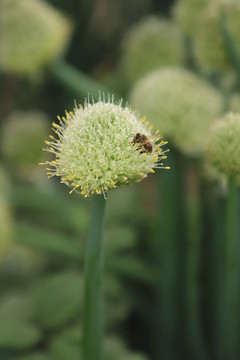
x=32, y=35
x=180, y=103
x=234, y=103
x=152, y=43
x=223, y=149
x=187, y=14
x=23, y=134
x=210, y=48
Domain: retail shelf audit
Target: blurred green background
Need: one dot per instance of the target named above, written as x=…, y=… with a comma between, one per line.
x=174, y=62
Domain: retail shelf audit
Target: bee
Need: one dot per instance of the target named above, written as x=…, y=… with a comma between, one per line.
x=144, y=143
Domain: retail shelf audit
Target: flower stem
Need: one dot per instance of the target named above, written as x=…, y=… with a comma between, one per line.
x=76, y=81
x=192, y=261
x=231, y=45
x=167, y=260
x=229, y=312
x=212, y=272
x=93, y=312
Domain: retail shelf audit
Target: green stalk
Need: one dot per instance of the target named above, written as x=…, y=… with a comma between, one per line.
x=231, y=225
x=178, y=284
x=192, y=259
x=76, y=81
x=212, y=207
x=93, y=307
x=231, y=46
x=229, y=315
x=167, y=258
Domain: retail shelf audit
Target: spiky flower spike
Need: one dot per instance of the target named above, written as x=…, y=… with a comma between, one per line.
x=224, y=149
x=95, y=150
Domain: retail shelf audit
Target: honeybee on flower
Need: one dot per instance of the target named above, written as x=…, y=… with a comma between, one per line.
x=92, y=150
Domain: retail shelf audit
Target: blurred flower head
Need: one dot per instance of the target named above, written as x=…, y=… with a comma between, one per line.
x=223, y=149
x=187, y=14
x=95, y=150
x=32, y=35
x=234, y=103
x=23, y=134
x=180, y=103
x=209, y=174
x=151, y=43
x=210, y=49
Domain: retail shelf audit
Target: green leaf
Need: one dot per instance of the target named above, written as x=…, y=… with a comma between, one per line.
x=130, y=267
x=53, y=209
x=16, y=306
x=133, y=356
x=72, y=334
x=117, y=303
x=114, y=348
x=128, y=202
x=67, y=343
x=47, y=240
x=58, y=299
x=119, y=239
x=18, y=334
x=35, y=356
x=61, y=349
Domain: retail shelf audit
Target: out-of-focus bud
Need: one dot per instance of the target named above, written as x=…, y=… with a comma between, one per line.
x=33, y=34
x=150, y=44
x=179, y=103
x=22, y=140
x=223, y=149
x=210, y=48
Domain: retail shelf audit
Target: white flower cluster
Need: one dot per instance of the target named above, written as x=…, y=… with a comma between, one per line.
x=223, y=148
x=181, y=104
x=152, y=43
x=32, y=35
x=95, y=149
